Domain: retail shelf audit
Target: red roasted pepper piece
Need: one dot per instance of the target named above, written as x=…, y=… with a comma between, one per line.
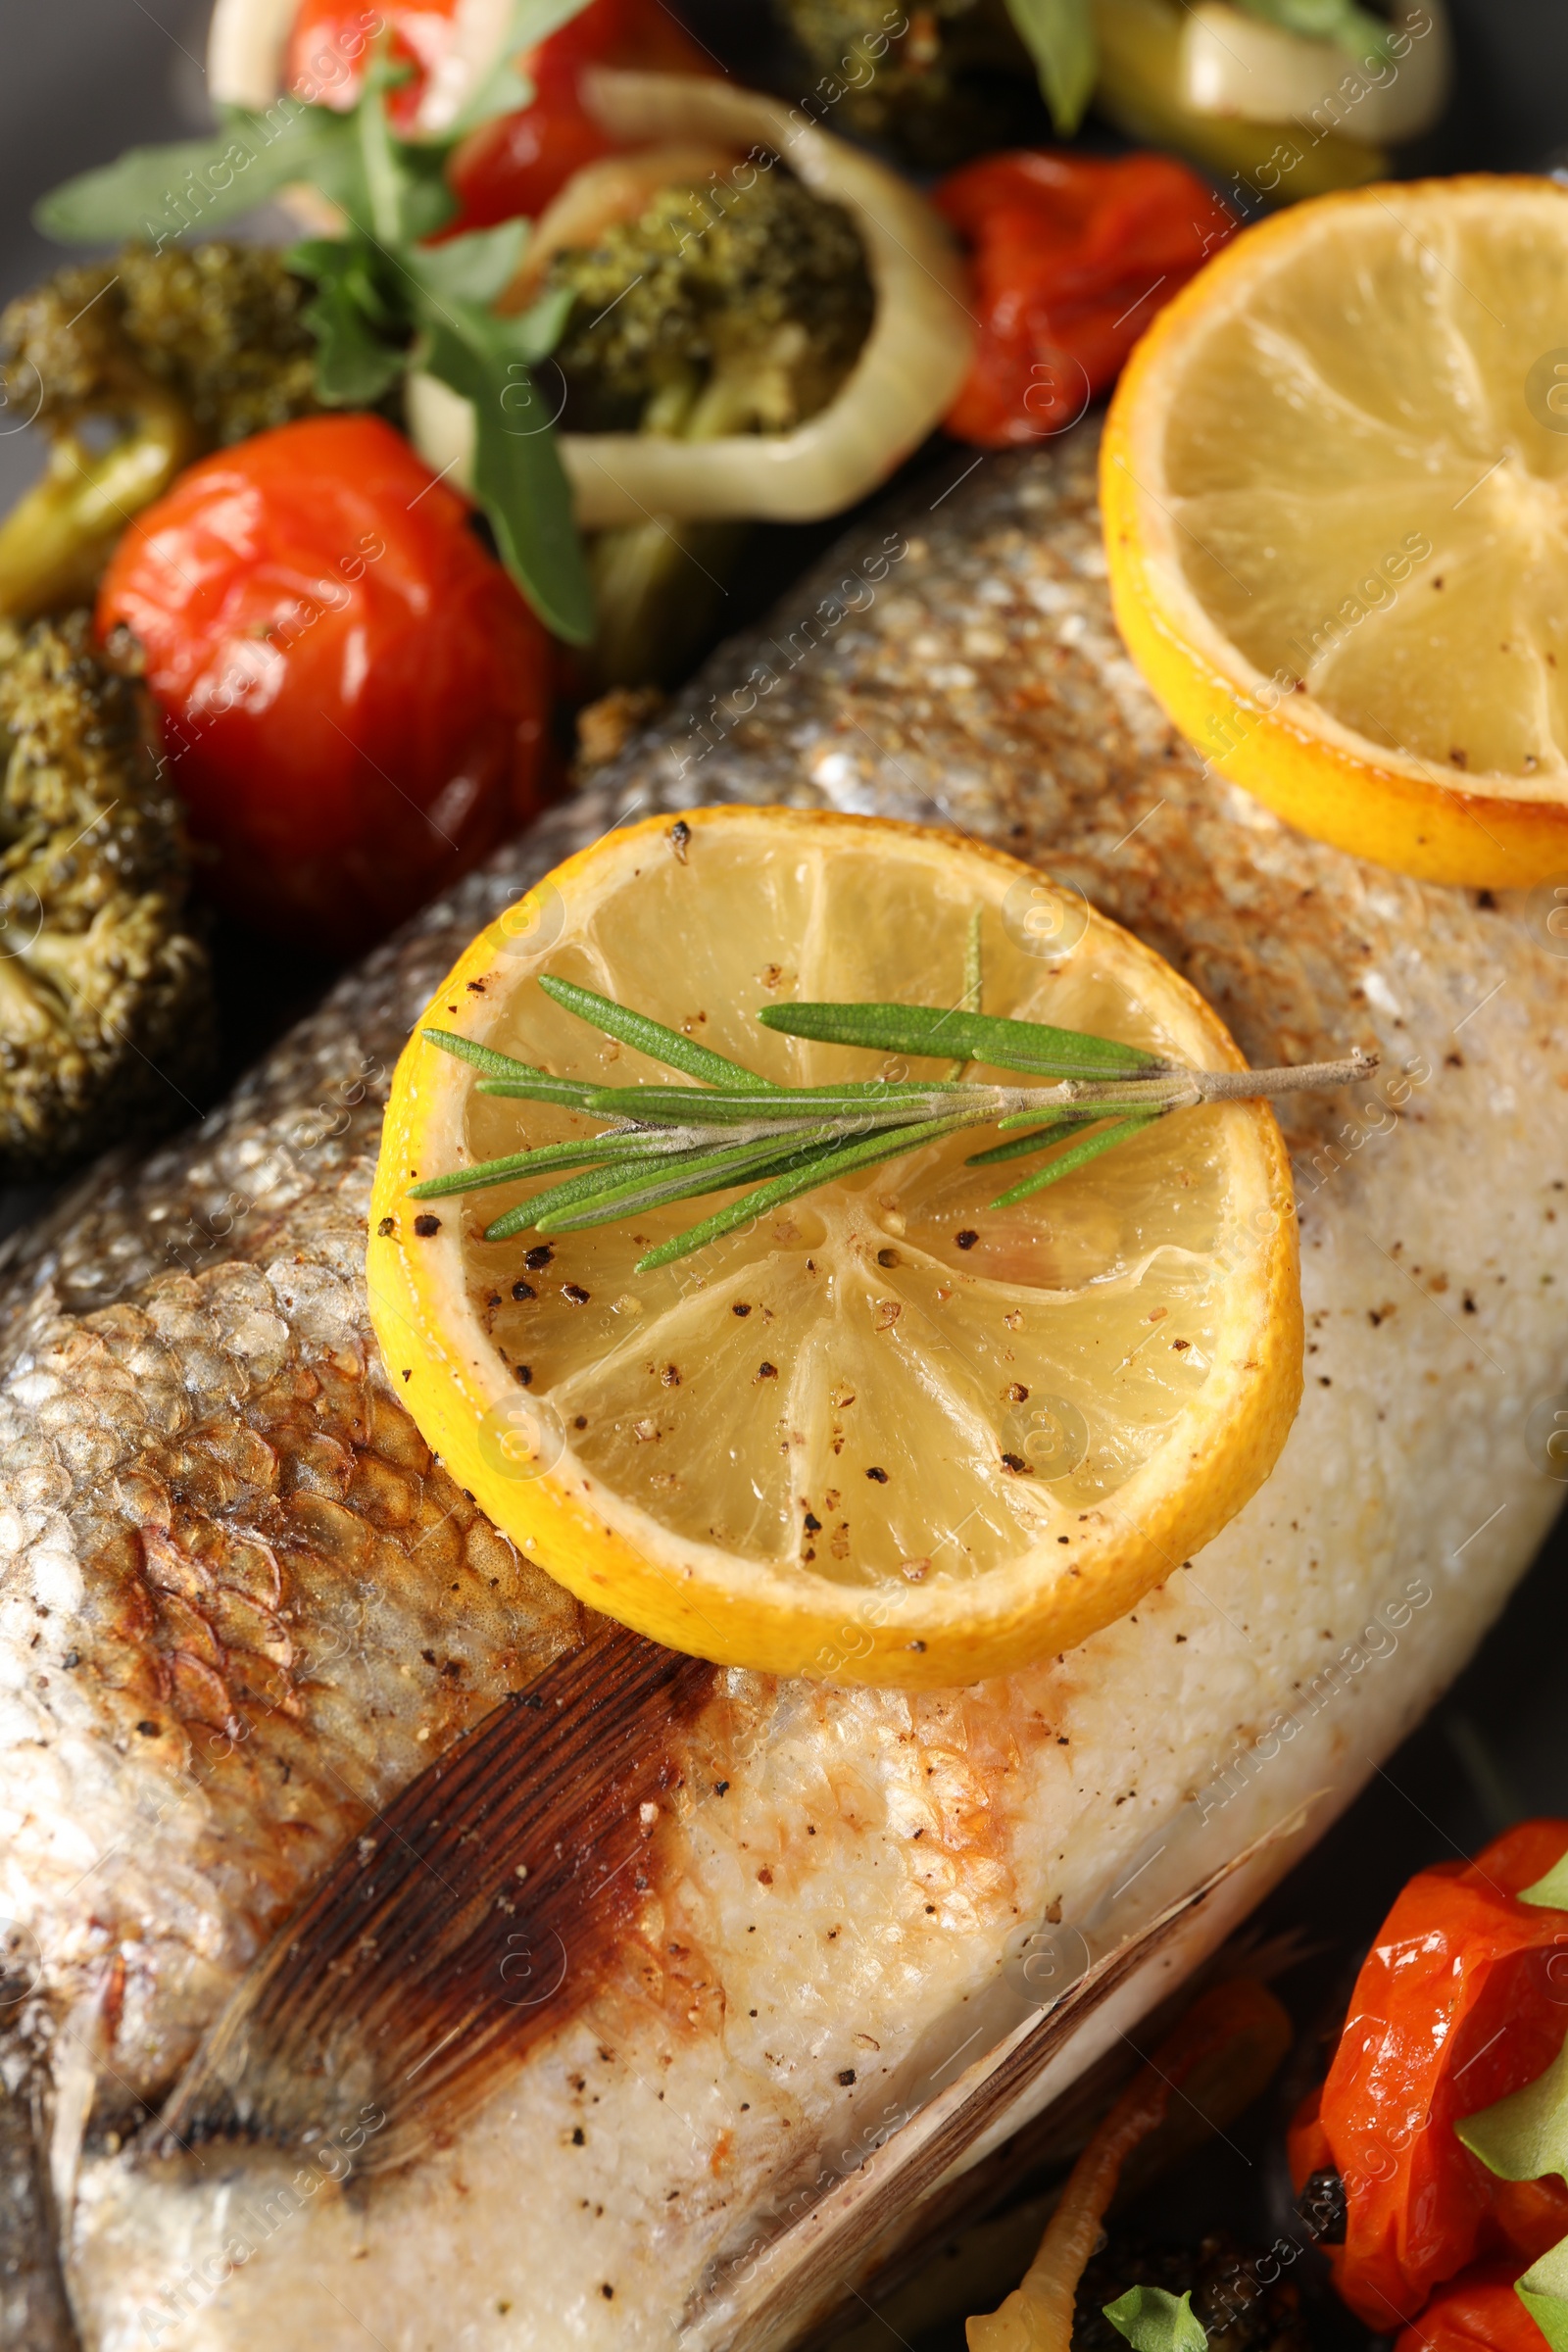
x=1071, y=256
x=1477, y=2311
x=1462, y=1999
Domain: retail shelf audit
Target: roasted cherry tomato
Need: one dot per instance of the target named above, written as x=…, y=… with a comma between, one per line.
x=354, y=693
x=1071, y=257
x=1462, y=1998
x=1477, y=2311
x=331, y=40
x=517, y=163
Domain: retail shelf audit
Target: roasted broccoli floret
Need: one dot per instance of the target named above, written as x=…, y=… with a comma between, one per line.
x=105, y=999
x=718, y=311
x=172, y=354
x=956, y=81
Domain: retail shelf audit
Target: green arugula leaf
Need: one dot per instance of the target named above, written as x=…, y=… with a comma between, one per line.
x=530, y=335
x=384, y=297
x=1544, y=2293
x=518, y=475
x=1524, y=2134
x=1354, y=29
x=158, y=193
x=361, y=354
x=928, y=1029
x=1153, y=2320
x=1551, y=1891
x=1059, y=36
x=473, y=268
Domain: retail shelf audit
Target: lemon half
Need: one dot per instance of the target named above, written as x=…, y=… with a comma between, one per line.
x=1335, y=482
x=890, y=1434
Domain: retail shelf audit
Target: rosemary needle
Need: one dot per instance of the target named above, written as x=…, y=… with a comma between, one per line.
x=729, y=1125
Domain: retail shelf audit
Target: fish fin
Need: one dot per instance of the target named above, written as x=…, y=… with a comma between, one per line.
x=766, y=2294
x=471, y=1917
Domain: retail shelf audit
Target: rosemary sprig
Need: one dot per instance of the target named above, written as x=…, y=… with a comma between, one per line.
x=729, y=1125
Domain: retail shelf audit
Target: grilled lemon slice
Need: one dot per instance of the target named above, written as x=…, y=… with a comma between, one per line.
x=1334, y=481
x=891, y=1433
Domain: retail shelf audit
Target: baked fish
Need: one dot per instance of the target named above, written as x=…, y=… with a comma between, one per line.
x=776, y=1980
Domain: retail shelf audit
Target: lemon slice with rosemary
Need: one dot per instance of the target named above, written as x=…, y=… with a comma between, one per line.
x=1333, y=479
x=883, y=1428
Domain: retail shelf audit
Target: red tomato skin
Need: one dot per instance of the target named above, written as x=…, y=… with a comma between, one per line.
x=1477, y=2311
x=330, y=41
x=1070, y=258
x=354, y=693
x=513, y=167
x=1462, y=1998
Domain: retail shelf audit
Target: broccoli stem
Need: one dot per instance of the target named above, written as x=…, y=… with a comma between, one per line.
x=54, y=542
x=657, y=588
x=658, y=585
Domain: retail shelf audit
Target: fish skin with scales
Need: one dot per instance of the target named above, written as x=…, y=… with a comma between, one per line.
x=242, y=1611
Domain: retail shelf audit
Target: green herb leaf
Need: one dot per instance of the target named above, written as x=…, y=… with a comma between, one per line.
x=425, y=202
x=158, y=193
x=545, y=1159
x=673, y=1143
x=672, y=1180
x=673, y=1175
x=1551, y=1891
x=1076, y=1157
x=929, y=1029
x=473, y=268
x=1524, y=2134
x=1354, y=29
x=355, y=363
x=1038, y=1139
x=521, y=1219
x=387, y=296
x=870, y=1106
x=889, y=1144
x=668, y=1046
x=1059, y=36
x=1153, y=2320
x=1544, y=2293
x=505, y=1076
x=518, y=475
